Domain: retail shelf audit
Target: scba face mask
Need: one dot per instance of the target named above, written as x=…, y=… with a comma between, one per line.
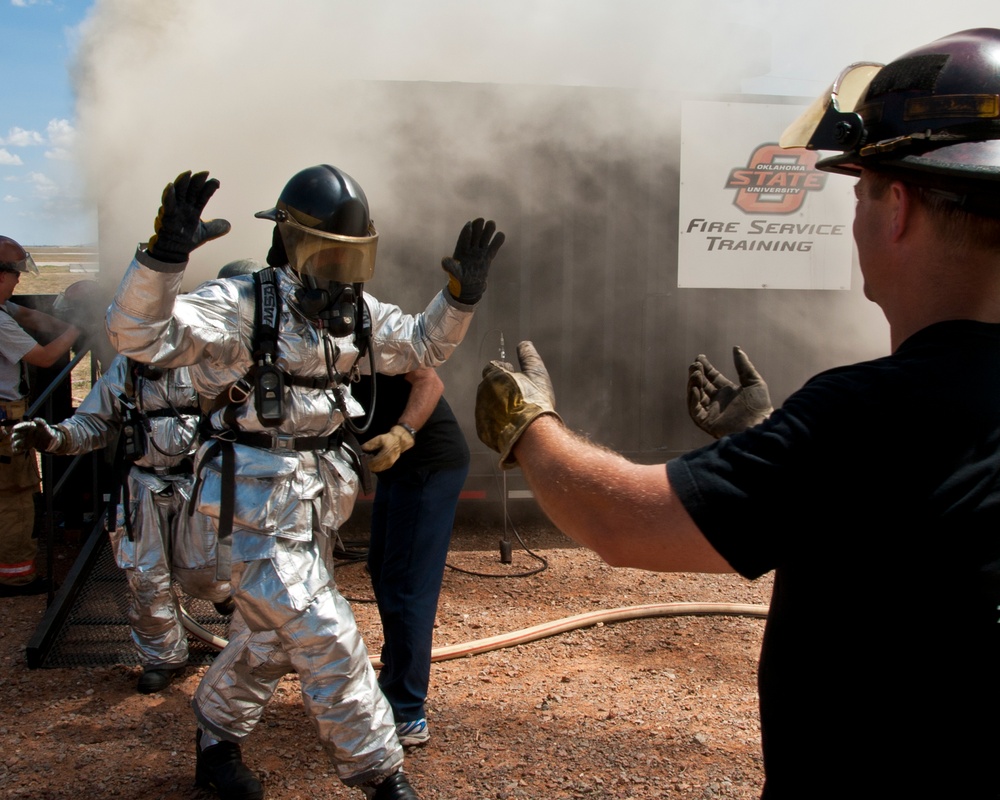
x=336, y=308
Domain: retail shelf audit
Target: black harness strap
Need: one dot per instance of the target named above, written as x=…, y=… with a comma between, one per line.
x=267, y=323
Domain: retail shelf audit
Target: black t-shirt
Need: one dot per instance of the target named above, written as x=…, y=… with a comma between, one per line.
x=874, y=493
x=439, y=444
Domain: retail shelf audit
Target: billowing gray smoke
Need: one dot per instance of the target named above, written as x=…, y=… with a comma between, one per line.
x=559, y=119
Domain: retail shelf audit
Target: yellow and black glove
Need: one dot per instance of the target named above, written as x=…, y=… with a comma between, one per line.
x=469, y=267
x=178, y=228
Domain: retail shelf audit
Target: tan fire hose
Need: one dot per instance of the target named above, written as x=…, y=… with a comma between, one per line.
x=544, y=629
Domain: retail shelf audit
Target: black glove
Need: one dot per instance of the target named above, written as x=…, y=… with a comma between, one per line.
x=178, y=226
x=35, y=434
x=720, y=407
x=469, y=267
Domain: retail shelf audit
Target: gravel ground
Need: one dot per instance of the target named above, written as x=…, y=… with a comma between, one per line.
x=651, y=708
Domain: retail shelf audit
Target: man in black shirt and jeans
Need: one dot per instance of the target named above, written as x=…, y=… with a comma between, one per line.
x=422, y=459
x=874, y=491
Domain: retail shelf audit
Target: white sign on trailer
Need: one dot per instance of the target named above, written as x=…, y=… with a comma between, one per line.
x=754, y=216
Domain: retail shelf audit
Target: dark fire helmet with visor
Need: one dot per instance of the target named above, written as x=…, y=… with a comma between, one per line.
x=931, y=117
x=14, y=258
x=322, y=215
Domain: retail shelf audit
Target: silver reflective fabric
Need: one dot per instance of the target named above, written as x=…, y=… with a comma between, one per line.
x=286, y=502
x=321, y=642
x=166, y=543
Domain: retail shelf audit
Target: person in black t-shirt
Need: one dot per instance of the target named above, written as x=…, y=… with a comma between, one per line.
x=874, y=491
x=422, y=461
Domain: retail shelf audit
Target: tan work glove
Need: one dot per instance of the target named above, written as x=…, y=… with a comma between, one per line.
x=507, y=402
x=720, y=407
x=387, y=448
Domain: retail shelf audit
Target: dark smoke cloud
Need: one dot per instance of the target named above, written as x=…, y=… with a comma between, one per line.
x=559, y=119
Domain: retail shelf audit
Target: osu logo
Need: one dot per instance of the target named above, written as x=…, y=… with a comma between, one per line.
x=775, y=181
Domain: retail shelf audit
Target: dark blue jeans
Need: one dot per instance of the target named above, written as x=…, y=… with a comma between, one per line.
x=412, y=519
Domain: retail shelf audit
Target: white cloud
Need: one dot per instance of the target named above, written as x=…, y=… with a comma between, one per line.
x=9, y=198
x=19, y=137
x=26, y=3
x=44, y=185
x=61, y=133
x=9, y=159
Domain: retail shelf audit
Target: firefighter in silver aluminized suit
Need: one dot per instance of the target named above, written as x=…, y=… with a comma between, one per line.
x=274, y=468
x=153, y=414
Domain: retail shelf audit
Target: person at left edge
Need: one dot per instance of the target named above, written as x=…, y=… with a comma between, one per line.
x=275, y=467
x=19, y=478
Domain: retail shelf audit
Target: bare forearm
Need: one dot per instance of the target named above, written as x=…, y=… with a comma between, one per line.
x=46, y=355
x=426, y=389
x=625, y=512
x=40, y=321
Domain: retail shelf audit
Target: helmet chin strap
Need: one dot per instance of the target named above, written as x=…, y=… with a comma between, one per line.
x=334, y=309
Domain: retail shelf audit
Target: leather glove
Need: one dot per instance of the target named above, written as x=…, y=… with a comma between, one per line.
x=507, y=402
x=720, y=407
x=387, y=448
x=178, y=228
x=469, y=267
x=35, y=434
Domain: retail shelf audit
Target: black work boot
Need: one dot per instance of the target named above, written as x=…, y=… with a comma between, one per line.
x=225, y=607
x=395, y=787
x=221, y=767
x=156, y=679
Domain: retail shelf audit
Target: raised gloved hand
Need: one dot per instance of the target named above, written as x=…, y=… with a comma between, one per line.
x=720, y=407
x=507, y=402
x=35, y=434
x=178, y=227
x=387, y=448
x=469, y=267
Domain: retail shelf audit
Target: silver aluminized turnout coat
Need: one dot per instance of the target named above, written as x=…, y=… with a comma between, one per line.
x=165, y=543
x=286, y=500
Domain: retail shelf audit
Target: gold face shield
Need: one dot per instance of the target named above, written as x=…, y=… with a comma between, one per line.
x=832, y=121
x=328, y=256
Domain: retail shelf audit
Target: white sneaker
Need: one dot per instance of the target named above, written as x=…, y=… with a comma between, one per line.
x=412, y=734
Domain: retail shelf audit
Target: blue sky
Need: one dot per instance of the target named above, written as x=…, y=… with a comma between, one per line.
x=40, y=193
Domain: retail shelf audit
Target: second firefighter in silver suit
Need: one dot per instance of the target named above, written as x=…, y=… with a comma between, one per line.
x=291, y=479
x=153, y=538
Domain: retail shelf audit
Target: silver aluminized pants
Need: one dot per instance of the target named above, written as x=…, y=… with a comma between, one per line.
x=166, y=544
x=296, y=619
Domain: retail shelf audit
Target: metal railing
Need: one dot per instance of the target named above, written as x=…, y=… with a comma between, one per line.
x=58, y=602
